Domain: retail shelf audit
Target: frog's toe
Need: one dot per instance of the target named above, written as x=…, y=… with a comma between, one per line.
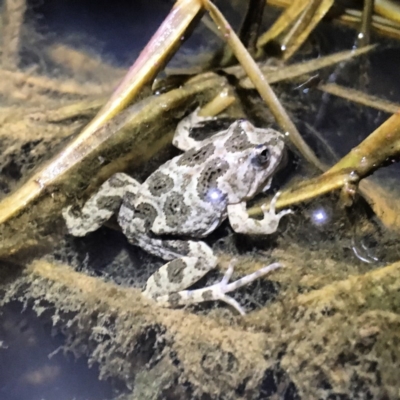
x=223, y=287
x=285, y=212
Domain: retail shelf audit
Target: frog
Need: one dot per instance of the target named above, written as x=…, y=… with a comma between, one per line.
x=186, y=199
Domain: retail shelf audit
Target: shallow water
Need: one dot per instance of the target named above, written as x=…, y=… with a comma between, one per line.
x=313, y=331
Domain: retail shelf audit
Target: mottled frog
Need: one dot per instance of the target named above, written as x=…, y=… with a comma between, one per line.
x=188, y=197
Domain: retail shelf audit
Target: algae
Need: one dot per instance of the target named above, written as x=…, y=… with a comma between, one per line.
x=325, y=326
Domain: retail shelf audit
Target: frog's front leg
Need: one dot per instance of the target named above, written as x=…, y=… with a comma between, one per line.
x=101, y=206
x=182, y=139
x=241, y=223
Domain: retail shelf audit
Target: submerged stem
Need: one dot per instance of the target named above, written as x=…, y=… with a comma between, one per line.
x=13, y=18
x=366, y=19
x=161, y=47
x=261, y=84
x=250, y=28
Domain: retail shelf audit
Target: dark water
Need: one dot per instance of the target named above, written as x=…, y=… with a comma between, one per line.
x=118, y=30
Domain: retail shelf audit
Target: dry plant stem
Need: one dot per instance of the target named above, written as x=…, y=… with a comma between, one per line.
x=128, y=140
x=381, y=25
x=151, y=60
x=293, y=10
x=300, y=24
x=249, y=30
x=380, y=146
x=388, y=8
x=302, y=17
x=13, y=15
x=306, y=22
x=365, y=30
x=313, y=14
x=284, y=72
x=359, y=97
x=261, y=84
x=209, y=24
x=384, y=202
x=288, y=72
x=309, y=189
x=218, y=104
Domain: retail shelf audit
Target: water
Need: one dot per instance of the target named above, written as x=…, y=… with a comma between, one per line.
x=313, y=333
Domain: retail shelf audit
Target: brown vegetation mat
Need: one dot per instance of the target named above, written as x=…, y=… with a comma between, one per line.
x=337, y=341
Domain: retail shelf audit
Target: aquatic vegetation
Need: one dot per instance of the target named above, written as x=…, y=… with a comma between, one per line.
x=324, y=326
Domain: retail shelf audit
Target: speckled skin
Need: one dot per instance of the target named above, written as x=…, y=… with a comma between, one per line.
x=189, y=196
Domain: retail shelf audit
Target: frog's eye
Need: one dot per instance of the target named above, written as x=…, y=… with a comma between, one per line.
x=262, y=157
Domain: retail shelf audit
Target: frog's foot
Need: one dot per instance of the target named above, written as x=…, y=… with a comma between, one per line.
x=241, y=223
x=182, y=139
x=101, y=206
x=217, y=291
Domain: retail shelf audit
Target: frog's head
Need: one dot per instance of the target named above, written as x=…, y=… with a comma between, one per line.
x=256, y=154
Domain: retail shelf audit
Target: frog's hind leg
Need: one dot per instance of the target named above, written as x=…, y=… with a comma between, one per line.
x=217, y=291
x=190, y=261
x=101, y=206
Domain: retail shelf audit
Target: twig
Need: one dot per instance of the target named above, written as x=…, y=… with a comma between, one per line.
x=384, y=201
x=222, y=101
x=288, y=72
x=381, y=146
x=152, y=59
x=389, y=9
x=380, y=24
x=160, y=48
x=311, y=16
x=299, y=26
x=261, y=84
x=359, y=97
x=309, y=189
x=131, y=138
x=363, y=38
x=300, y=18
x=292, y=11
x=250, y=28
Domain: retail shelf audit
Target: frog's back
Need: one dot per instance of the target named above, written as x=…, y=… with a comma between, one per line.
x=189, y=194
x=172, y=193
